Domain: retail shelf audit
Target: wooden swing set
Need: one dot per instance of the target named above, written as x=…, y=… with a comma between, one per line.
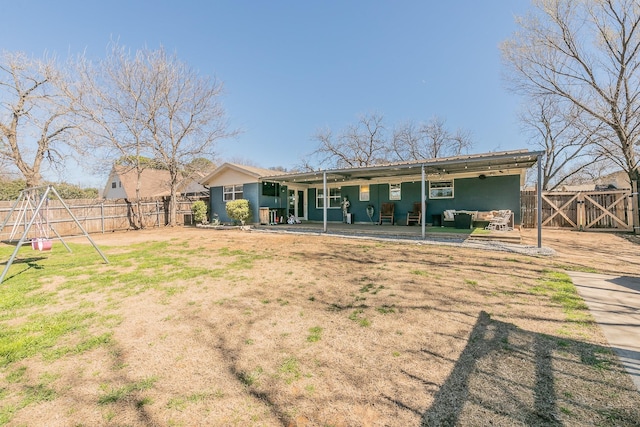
x=32, y=209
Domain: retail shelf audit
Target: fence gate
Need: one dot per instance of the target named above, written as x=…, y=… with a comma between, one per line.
x=584, y=210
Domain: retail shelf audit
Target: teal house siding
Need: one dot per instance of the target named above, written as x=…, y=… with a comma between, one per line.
x=481, y=182
x=475, y=194
x=252, y=193
x=492, y=193
x=315, y=214
x=217, y=204
x=378, y=194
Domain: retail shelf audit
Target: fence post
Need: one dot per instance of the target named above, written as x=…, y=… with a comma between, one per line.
x=581, y=212
x=539, y=201
x=635, y=202
x=102, y=216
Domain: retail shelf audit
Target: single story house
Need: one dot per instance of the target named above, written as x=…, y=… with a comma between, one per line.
x=479, y=182
x=154, y=183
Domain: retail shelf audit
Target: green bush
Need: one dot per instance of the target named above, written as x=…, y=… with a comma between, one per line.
x=10, y=190
x=199, y=211
x=239, y=210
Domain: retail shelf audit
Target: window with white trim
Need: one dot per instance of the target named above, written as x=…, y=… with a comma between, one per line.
x=232, y=192
x=335, y=198
x=364, y=193
x=441, y=189
x=395, y=192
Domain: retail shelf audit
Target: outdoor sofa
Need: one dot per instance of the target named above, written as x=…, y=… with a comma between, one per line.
x=479, y=219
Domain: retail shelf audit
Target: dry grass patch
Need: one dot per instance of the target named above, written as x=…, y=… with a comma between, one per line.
x=238, y=328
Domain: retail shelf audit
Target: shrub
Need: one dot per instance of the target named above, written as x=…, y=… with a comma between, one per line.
x=239, y=211
x=199, y=211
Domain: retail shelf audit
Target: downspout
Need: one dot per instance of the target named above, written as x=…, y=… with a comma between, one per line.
x=424, y=207
x=539, y=201
x=325, y=196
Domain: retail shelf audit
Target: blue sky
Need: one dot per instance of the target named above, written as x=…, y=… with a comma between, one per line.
x=293, y=67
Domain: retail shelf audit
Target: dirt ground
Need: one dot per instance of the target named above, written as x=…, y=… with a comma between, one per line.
x=295, y=330
x=614, y=253
x=606, y=252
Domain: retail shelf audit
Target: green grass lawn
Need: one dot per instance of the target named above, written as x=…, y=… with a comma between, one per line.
x=252, y=329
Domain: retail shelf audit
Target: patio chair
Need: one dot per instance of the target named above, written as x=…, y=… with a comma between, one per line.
x=415, y=215
x=501, y=221
x=387, y=212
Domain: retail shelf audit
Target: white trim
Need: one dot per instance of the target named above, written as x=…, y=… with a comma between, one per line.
x=392, y=196
x=329, y=197
x=305, y=205
x=368, y=192
x=234, y=192
x=452, y=196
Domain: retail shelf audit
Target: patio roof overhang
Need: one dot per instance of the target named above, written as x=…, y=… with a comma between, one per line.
x=510, y=162
x=479, y=164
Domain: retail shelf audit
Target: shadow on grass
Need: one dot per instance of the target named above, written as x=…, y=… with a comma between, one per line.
x=31, y=264
x=508, y=375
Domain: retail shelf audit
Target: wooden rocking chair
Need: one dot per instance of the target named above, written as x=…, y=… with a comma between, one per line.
x=415, y=215
x=386, y=212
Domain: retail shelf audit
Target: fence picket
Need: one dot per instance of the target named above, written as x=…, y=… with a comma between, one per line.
x=99, y=216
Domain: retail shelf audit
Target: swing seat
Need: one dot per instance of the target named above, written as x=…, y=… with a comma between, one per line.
x=41, y=244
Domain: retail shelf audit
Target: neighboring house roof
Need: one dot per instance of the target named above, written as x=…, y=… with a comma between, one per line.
x=616, y=180
x=191, y=185
x=123, y=179
x=619, y=179
x=577, y=187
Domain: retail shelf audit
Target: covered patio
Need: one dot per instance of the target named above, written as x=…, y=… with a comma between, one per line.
x=482, y=168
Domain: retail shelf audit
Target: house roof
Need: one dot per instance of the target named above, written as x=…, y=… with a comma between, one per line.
x=252, y=171
x=153, y=182
x=488, y=164
x=190, y=184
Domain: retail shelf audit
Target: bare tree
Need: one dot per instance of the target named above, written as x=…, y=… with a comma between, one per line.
x=185, y=115
x=428, y=140
x=568, y=144
x=36, y=115
x=360, y=144
x=152, y=104
x=112, y=93
x=588, y=54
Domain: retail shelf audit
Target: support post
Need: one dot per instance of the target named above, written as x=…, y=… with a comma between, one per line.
x=423, y=207
x=80, y=226
x=23, y=238
x=539, y=201
x=48, y=189
x=325, y=200
x=635, y=203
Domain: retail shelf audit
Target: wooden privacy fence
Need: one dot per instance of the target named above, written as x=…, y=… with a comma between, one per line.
x=583, y=210
x=97, y=215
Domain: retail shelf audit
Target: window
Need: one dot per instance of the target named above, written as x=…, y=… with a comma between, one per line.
x=232, y=192
x=113, y=184
x=441, y=189
x=271, y=189
x=364, y=193
x=395, y=191
x=335, y=196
